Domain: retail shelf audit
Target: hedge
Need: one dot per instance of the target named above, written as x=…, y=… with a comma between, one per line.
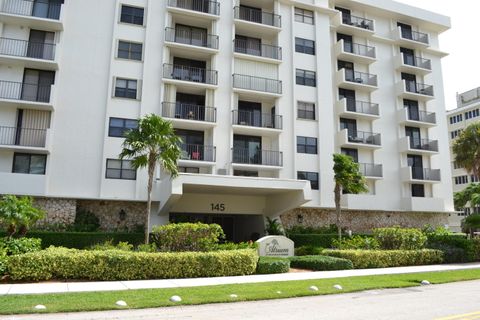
x=269, y=265
x=82, y=240
x=315, y=240
x=72, y=264
x=457, y=248
x=363, y=259
x=320, y=263
x=397, y=238
x=177, y=237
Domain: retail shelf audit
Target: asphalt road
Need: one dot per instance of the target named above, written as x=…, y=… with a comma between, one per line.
x=453, y=301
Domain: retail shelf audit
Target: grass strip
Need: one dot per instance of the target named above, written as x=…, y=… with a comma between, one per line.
x=151, y=298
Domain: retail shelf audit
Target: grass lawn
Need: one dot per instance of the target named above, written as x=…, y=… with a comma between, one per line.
x=92, y=301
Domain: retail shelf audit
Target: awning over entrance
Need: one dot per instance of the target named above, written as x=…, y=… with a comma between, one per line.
x=197, y=193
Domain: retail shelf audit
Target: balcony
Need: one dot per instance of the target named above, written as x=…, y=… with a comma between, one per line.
x=255, y=123
x=354, y=80
x=197, y=154
x=357, y=53
x=418, y=204
x=420, y=175
x=415, y=91
x=269, y=87
x=354, y=25
x=359, y=139
x=28, y=95
x=28, y=54
x=23, y=184
x=198, y=40
x=411, y=38
x=355, y=109
x=202, y=8
x=262, y=158
x=33, y=14
x=371, y=171
x=419, y=146
x=189, y=116
x=23, y=139
x=263, y=52
x=252, y=19
x=197, y=76
x=421, y=119
x=413, y=65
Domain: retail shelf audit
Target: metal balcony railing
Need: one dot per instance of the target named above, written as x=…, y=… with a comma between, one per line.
x=192, y=74
x=371, y=170
x=424, y=144
x=24, y=91
x=22, y=48
x=261, y=50
x=25, y=137
x=422, y=116
x=258, y=157
x=419, y=173
x=39, y=9
x=360, y=77
x=417, y=62
x=186, y=111
x=198, y=39
x=359, y=49
x=414, y=35
x=362, y=107
x=419, y=88
x=241, y=81
x=258, y=16
x=364, y=138
x=205, y=6
x=256, y=119
x=197, y=152
x=358, y=22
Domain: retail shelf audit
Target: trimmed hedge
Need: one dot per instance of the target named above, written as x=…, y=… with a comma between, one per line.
x=177, y=237
x=313, y=240
x=320, y=263
x=308, y=251
x=270, y=265
x=62, y=263
x=363, y=259
x=457, y=248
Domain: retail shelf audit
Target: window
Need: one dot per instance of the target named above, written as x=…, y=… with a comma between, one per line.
x=456, y=165
x=307, y=145
x=310, y=176
x=418, y=190
x=306, y=110
x=456, y=118
x=188, y=169
x=474, y=178
x=29, y=163
x=245, y=173
x=125, y=88
x=129, y=50
x=455, y=133
x=305, y=46
x=306, y=78
x=304, y=16
x=461, y=180
x=120, y=169
x=470, y=114
x=132, y=15
x=118, y=127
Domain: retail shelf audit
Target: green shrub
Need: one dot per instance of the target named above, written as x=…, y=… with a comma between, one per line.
x=315, y=240
x=451, y=254
x=320, y=263
x=269, y=265
x=13, y=246
x=85, y=221
x=476, y=249
x=109, y=245
x=62, y=263
x=235, y=246
x=397, y=238
x=18, y=215
x=356, y=242
x=175, y=237
x=308, y=251
x=331, y=229
x=453, y=242
x=390, y=258
x=3, y=262
x=151, y=247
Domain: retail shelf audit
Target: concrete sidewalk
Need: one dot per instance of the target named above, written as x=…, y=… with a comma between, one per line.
x=61, y=287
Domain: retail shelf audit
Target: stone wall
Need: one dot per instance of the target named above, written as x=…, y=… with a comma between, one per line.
x=59, y=211
x=362, y=221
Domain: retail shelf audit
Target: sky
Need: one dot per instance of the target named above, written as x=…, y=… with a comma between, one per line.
x=461, y=66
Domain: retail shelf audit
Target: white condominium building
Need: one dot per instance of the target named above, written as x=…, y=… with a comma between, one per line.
x=262, y=92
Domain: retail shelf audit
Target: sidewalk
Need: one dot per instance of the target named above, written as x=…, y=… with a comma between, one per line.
x=62, y=287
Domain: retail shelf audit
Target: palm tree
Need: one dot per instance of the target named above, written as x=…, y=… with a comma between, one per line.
x=153, y=142
x=348, y=179
x=467, y=149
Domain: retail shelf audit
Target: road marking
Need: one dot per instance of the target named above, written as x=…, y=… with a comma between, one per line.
x=466, y=316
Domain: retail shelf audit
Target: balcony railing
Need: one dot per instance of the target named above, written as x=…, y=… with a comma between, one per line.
x=241, y=81
x=197, y=152
x=258, y=16
x=414, y=36
x=260, y=50
x=417, y=62
x=422, y=116
x=40, y=9
x=362, y=107
x=198, y=39
x=192, y=74
x=419, y=173
x=360, y=77
x=419, y=88
x=25, y=137
x=371, y=170
x=205, y=6
x=257, y=157
x=256, y=119
x=364, y=138
x=358, y=22
x=24, y=91
x=21, y=48
x=186, y=111
x=359, y=49
x=424, y=144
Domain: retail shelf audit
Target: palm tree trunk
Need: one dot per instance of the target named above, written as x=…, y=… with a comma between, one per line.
x=338, y=210
x=151, y=171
